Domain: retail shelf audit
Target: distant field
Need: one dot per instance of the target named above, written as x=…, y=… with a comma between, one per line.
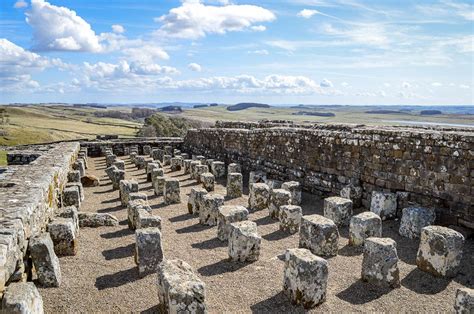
x=39, y=124
x=342, y=115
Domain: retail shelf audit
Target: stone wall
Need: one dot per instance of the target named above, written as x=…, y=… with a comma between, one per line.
x=435, y=167
x=96, y=147
x=28, y=196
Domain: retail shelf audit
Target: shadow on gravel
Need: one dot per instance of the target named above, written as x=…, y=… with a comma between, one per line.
x=361, y=292
x=117, y=279
x=190, y=184
x=424, y=283
x=119, y=252
x=209, y=244
x=264, y=221
x=113, y=200
x=221, y=267
x=182, y=217
x=110, y=209
x=279, y=303
x=159, y=205
x=117, y=234
x=193, y=228
x=103, y=192
x=154, y=309
x=276, y=235
x=349, y=250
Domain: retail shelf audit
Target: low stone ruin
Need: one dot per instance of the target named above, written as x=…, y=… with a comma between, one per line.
x=320, y=235
x=380, y=263
x=244, y=241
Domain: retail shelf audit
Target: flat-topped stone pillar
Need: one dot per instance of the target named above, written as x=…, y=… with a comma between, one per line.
x=159, y=185
x=319, y=234
x=180, y=290
x=380, y=262
x=278, y=197
x=305, y=278
x=440, y=251
x=149, y=170
x=244, y=241
x=187, y=166
x=338, y=209
x=199, y=170
x=171, y=191
x=22, y=297
x=259, y=196
x=414, y=219
x=218, y=169
x=176, y=163
x=229, y=214
x=235, y=185
x=464, y=301
x=132, y=211
x=234, y=167
x=45, y=260
x=208, y=181
x=167, y=160
x=294, y=188
x=148, y=250
x=71, y=197
x=354, y=193
x=195, y=199
x=363, y=226
x=384, y=204
x=209, y=210
x=126, y=188
x=290, y=218
x=120, y=164
x=63, y=235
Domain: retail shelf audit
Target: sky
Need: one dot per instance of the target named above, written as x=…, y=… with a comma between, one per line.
x=352, y=52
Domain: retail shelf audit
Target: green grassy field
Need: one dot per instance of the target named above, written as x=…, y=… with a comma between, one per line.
x=353, y=114
x=39, y=124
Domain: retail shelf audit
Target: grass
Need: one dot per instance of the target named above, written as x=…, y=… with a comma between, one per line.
x=39, y=124
x=3, y=158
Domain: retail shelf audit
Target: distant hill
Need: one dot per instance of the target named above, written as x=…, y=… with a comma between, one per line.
x=314, y=113
x=430, y=112
x=246, y=105
x=174, y=109
x=199, y=106
x=384, y=111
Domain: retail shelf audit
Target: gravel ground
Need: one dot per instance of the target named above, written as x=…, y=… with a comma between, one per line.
x=103, y=277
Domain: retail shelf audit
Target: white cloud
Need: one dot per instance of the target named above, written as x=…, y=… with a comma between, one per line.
x=263, y=52
x=119, y=29
x=307, y=13
x=20, y=4
x=194, y=67
x=145, y=53
x=463, y=86
x=59, y=28
x=258, y=28
x=436, y=84
x=345, y=84
x=366, y=34
x=449, y=8
x=406, y=85
x=194, y=19
x=326, y=83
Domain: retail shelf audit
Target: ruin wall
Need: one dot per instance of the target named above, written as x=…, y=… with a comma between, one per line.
x=29, y=194
x=97, y=147
x=435, y=167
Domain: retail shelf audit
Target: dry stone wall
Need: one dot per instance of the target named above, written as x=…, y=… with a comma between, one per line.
x=96, y=148
x=435, y=167
x=29, y=194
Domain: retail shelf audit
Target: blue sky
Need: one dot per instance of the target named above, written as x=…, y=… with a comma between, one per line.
x=279, y=52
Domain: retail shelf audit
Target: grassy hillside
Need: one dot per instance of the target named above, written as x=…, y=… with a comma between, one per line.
x=39, y=124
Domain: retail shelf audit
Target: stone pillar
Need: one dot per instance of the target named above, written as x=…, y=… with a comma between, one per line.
x=380, y=263
x=354, y=193
x=120, y=164
x=218, y=169
x=295, y=189
x=149, y=170
x=187, y=166
x=440, y=251
x=278, y=197
x=207, y=180
x=195, y=199
x=63, y=235
x=305, y=278
x=148, y=250
x=233, y=167
x=290, y=218
x=159, y=185
x=22, y=297
x=167, y=160
x=363, y=226
x=127, y=187
x=180, y=290
x=384, y=204
x=464, y=302
x=319, y=234
x=229, y=214
x=200, y=169
x=235, y=185
x=209, y=210
x=259, y=196
x=132, y=211
x=414, y=219
x=176, y=163
x=171, y=191
x=146, y=149
x=74, y=176
x=193, y=165
x=338, y=209
x=244, y=241
x=71, y=197
x=45, y=260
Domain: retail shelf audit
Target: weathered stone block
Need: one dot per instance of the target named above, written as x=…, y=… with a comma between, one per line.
x=148, y=250
x=218, y=169
x=90, y=181
x=79, y=165
x=171, y=191
x=137, y=196
x=207, y=180
x=95, y=220
x=70, y=212
x=259, y=196
x=147, y=220
x=187, y=166
x=234, y=167
x=159, y=185
x=179, y=289
x=305, y=278
x=140, y=162
x=384, y=204
x=227, y=215
x=22, y=298
x=167, y=160
x=290, y=218
x=71, y=197
x=132, y=211
x=235, y=183
x=244, y=241
x=363, y=226
x=440, y=251
x=74, y=176
x=45, y=260
x=79, y=187
x=146, y=149
x=110, y=172
x=257, y=177
x=338, y=209
x=127, y=187
x=118, y=175
x=199, y=170
x=380, y=263
x=278, y=197
x=193, y=164
x=319, y=234
x=209, y=209
x=195, y=199
x=354, y=193
x=414, y=219
x=464, y=302
x=120, y=164
x=150, y=167
x=176, y=163
x=63, y=235
x=294, y=188
x=110, y=159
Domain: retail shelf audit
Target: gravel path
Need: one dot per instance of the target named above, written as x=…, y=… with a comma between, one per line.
x=103, y=277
